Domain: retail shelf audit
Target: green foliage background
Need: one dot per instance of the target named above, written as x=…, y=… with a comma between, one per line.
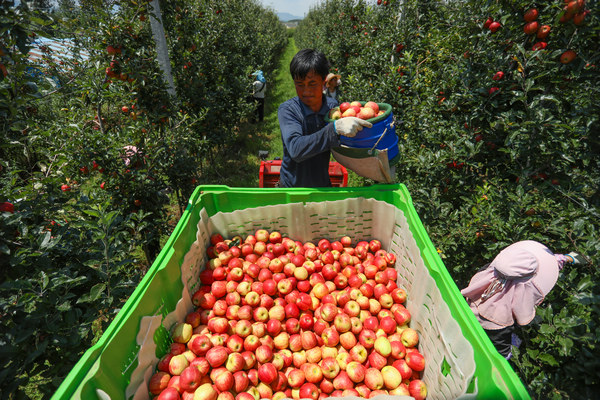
x=89, y=216
x=486, y=170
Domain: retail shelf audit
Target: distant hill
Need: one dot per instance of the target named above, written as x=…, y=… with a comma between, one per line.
x=285, y=17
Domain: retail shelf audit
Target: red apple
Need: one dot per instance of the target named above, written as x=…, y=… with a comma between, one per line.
x=281, y=341
x=531, y=28
x=177, y=364
x=367, y=338
x=543, y=31
x=403, y=368
x=409, y=337
x=531, y=15
x=249, y=359
x=358, y=353
x=296, y=378
x=206, y=391
x=216, y=356
x=199, y=344
x=224, y=381
x=243, y=328
x=312, y=372
x=273, y=327
x=356, y=371
x=495, y=26
x=398, y=349
x=309, y=391
x=372, y=105
x=235, y=362
x=342, y=381
x=350, y=112
x=366, y=113
x=371, y=323
x=417, y=389
x=376, y=360
x=328, y=312
x=344, y=106
x=415, y=361
x=292, y=326
x=330, y=337
x=264, y=354
x=348, y=340
x=169, y=393
x=235, y=343
x=388, y=325
x=267, y=373
x=567, y=56
x=391, y=377
x=158, y=382
x=306, y=321
x=373, y=379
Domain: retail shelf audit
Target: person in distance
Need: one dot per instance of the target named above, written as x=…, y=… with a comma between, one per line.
x=259, y=87
x=331, y=84
x=307, y=138
x=507, y=291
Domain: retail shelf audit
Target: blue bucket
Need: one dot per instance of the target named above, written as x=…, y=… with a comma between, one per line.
x=382, y=135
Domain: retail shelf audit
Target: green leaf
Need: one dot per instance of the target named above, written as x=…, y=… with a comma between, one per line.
x=45, y=279
x=94, y=293
x=65, y=306
x=547, y=329
x=93, y=213
x=45, y=240
x=548, y=359
x=585, y=284
x=566, y=344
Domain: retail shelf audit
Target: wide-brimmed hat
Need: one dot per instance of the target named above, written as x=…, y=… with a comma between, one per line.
x=528, y=260
x=513, y=284
x=331, y=76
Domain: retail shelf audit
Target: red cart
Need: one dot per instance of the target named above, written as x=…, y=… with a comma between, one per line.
x=269, y=174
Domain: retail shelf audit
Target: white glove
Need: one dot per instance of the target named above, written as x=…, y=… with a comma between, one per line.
x=349, y=126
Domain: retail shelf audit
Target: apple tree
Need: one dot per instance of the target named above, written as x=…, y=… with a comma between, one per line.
x=497, y=142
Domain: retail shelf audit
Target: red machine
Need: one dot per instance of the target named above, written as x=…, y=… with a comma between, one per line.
x=269, y=174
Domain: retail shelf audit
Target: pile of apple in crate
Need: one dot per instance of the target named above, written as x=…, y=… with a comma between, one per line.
x=277, y=318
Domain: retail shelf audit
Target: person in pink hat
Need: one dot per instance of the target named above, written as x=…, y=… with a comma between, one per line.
x=507, y=291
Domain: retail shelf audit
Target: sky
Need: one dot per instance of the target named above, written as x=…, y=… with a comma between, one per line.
x=295, y=7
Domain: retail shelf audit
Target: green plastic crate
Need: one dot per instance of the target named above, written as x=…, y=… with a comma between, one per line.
x=452, y=340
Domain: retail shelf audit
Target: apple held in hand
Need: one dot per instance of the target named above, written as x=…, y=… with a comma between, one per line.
x=355, y=109
x=373, y=106
x=366, y=113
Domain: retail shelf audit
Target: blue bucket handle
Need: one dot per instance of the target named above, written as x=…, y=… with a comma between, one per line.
x=380, y=137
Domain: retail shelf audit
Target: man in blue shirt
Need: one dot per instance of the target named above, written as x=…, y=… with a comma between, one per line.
x=307, y=138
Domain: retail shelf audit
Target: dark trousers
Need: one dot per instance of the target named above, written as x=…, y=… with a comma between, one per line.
x=260, y=109
x=502, y=339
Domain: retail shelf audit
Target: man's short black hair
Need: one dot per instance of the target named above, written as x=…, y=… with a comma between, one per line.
x=307, y=60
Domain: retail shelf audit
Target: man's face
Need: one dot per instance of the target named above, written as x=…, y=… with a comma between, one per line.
x=310, y=90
